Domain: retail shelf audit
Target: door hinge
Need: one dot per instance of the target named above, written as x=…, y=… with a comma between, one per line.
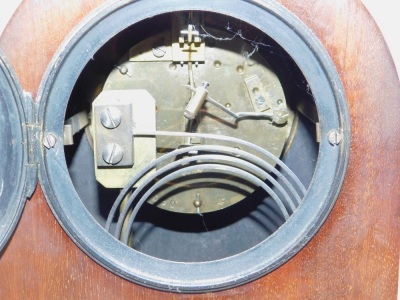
x=32, y=142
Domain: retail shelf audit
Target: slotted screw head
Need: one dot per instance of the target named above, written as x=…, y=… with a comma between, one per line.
x=112, y=154
x=110, y=117
x=334, y=137
x=49, y=140
x=159, y=50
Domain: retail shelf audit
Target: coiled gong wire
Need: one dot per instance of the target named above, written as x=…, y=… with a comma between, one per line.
x=206, y=159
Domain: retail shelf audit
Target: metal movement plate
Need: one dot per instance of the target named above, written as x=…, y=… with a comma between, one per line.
x=238, y=77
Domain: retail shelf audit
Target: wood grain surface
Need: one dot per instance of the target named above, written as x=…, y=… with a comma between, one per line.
x=355, y=255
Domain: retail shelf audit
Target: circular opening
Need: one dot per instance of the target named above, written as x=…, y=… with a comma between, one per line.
x=211, y=213
x=193, y=138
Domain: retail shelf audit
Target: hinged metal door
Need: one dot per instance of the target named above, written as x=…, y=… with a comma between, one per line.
x=18, y=140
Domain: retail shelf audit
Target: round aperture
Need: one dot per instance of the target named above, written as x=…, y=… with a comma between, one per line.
x=195, y=146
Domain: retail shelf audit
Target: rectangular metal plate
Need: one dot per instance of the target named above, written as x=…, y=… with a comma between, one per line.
x=138, y=111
